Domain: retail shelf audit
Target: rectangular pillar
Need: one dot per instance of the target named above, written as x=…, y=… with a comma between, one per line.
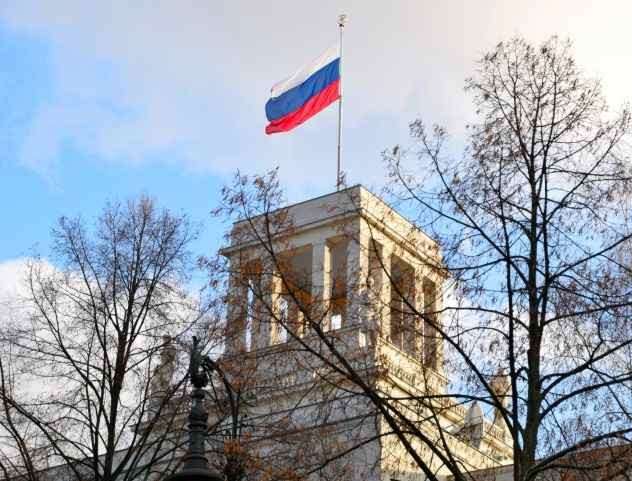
x=383, y=304
x=357, y=276
x=321, y=284
x=269, y=309
x=433, y=348
x=439, y=343
x=235, y=334
x=419, y=305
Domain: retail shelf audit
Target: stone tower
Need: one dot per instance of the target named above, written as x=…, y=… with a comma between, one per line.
x=336, y=284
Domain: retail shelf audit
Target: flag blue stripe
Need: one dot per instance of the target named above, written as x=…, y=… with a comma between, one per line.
x=294, y=98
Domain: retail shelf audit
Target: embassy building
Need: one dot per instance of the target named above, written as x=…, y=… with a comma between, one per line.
x=334, y=310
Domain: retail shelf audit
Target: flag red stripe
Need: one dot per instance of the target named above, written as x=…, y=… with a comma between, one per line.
x=308, y=109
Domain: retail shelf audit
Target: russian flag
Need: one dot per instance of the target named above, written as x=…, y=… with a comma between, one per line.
x=304, y=94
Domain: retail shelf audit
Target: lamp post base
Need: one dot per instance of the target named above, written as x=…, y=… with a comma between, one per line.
x=195, y=474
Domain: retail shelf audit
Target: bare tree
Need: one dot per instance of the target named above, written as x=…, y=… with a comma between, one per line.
x=90, y=381
x=531, y=246
x=531, y=220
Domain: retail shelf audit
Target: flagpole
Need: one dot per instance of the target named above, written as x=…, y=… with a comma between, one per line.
x=341, y=23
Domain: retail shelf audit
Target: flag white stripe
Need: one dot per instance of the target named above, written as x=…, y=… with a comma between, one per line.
x=305, y=72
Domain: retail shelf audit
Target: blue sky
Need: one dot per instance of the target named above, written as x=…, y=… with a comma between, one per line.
x=107, y=100
x=74, y=181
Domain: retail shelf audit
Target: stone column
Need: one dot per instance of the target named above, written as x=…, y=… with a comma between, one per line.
x=383, y=304
x=357, y=275
x=235, y=336
x=419, y=304
x=439, y=342
x=433, y=340
x=321, y=283
x=271, y=286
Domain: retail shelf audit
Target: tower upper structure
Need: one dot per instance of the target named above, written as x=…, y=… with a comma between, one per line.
x=348, y=280
x=349, y=258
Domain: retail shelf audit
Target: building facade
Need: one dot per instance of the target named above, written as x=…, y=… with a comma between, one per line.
x=334, y=301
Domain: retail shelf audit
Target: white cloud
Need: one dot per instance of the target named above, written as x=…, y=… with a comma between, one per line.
x=12, y=289
x=12, y=272
x=188, y=79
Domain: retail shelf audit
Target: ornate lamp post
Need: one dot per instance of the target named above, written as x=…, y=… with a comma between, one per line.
x=195, y=466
